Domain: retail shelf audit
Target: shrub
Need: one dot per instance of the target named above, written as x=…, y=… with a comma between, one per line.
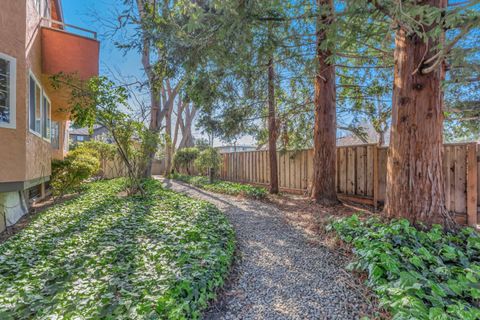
x=67, y=175
x=225, y=187
x=209, y=160
x=184, y=158
x=103, y=151
x=417, y=274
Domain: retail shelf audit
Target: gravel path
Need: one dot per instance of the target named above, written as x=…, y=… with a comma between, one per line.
x=281, y=273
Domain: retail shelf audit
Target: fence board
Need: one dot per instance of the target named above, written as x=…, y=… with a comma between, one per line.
x=351, y=170
x=460, y=181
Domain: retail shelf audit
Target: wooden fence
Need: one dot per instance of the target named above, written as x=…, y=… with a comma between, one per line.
x=361, y=174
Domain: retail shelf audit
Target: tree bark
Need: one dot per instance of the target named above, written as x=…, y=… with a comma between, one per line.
x=154, y=91
x=272, y=129
x=324, y=134
x=415, y=182
x=186, y=127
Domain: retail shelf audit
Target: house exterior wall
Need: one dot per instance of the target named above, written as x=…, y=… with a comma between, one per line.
x=12, y=140
x=38, y=155
x=25, y=157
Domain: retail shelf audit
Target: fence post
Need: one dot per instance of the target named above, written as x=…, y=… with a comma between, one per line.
x=472, y=184
x=375, y=177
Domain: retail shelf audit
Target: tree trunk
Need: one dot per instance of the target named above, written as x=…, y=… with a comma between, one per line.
x=154, y=92
x=381, y=138
x=415, y=183
x=186, y=127
x=324, y=134
x=272, y=129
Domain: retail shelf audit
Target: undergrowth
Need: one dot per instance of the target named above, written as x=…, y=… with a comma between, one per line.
x=104, y=256
x=225, y=187
x=417, y=274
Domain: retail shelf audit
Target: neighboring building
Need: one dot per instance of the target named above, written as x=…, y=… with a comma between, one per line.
x=83, y=134
x=34, y=45
x=228, y=149
x=371, y=136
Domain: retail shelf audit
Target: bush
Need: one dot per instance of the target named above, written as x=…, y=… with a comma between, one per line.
x=67, y=175
x=225, y=187
x=209, y=160
x=184, y=158
x=103, y=151
x=417, y=274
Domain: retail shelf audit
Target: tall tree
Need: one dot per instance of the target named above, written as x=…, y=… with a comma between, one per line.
x=272, y=129
x=324, y=136
x=415, y=187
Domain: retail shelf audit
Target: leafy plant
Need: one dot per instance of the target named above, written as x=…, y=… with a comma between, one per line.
x=417, y=274
x=209, y=160
x=104, y=151
x=68, y=174
x=184, y=158
x=103, y=256
x=225, y=187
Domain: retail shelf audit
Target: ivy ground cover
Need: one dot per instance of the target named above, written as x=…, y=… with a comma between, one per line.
x=225, y=187
x=417, y=274
x=106, y=256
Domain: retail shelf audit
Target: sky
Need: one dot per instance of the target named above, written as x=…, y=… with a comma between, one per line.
x=114, y=63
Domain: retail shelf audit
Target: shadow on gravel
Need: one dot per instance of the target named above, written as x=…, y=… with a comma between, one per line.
x=281, y=273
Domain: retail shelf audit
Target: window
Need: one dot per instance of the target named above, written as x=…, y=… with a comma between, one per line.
x=80, y=138
x=55, y=135
x=7, y=91
x=42, y=7
x=35, y=112
x=46, y=121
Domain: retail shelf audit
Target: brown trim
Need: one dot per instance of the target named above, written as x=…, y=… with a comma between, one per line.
x=13, y=186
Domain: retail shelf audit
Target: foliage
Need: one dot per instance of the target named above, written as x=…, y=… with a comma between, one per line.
x=185, y=157
x=104, y=151
x=417, y=274
x=208, y=159
x=101, y=256
x=68, y=174
x=225, y=187
x=99, y=101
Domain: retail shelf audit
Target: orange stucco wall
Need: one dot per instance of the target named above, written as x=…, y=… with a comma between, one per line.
x=12, y=43
x=69, y=53
x=38, y=155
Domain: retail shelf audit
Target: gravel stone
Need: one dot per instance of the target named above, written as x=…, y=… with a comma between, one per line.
x=279, y=274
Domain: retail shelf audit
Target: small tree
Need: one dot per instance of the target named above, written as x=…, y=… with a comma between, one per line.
x=184, y=158
x=100, y=101
x=209, y=160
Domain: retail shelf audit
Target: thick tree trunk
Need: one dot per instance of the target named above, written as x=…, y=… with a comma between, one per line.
x=155, y=118
x=324, y=134
x=415, y=183
x=168, y=144
x=272, y=129
x=186, y=127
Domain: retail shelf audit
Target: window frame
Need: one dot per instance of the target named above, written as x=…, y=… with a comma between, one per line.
x=12, y=124
x=32, y=76
x=55, y=142
x=48, y=117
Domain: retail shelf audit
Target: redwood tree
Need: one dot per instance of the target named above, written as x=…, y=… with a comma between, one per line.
x=415, y=182
x=272, y=129
x=324, y=136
